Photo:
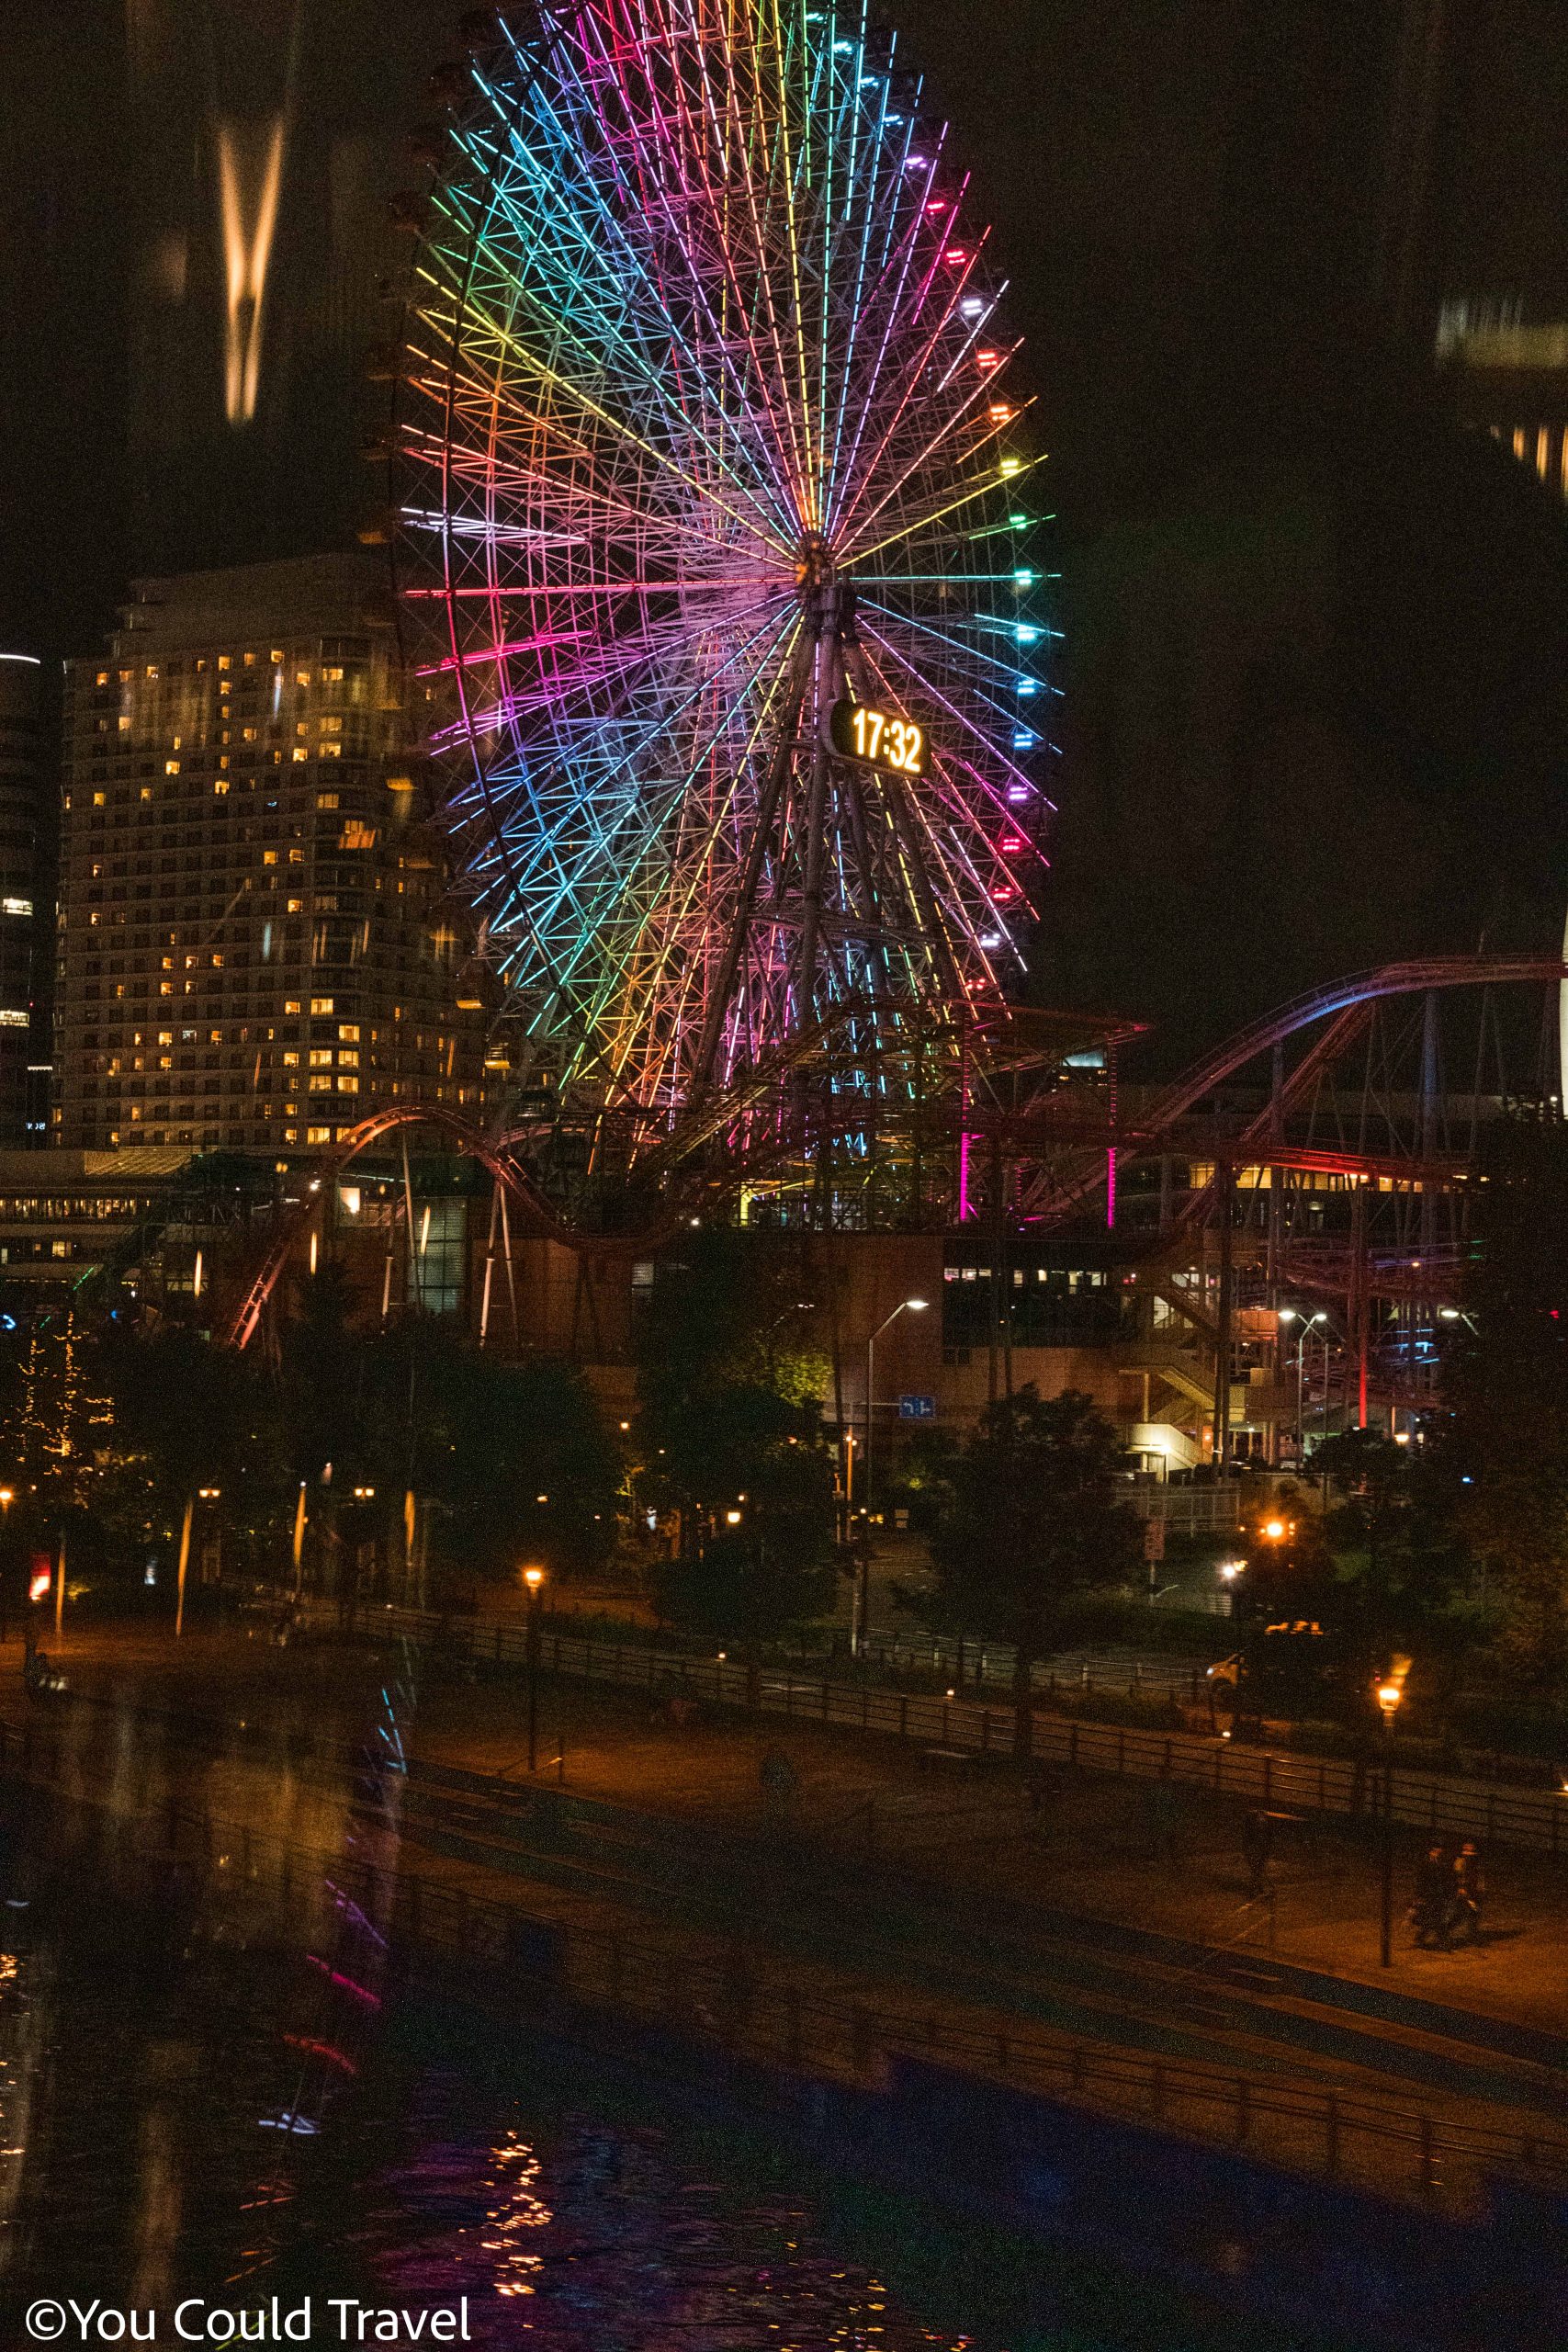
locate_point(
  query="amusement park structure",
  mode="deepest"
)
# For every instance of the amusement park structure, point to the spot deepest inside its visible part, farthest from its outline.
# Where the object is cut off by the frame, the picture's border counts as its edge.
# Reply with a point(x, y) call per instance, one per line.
point(723, 570)
point(723, 584)
point(717, 547)
point(1311, 1184)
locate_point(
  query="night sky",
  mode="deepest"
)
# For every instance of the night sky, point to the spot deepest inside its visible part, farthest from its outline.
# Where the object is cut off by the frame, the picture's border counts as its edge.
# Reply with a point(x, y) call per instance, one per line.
point(1317, 692)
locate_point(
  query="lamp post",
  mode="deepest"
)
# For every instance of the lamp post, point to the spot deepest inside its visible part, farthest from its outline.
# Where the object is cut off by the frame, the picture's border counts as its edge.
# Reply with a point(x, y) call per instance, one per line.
point(1389, 1696)
point(534, 1580)
point(7, 1497)
point(862, 1579)
point(1293, 1315)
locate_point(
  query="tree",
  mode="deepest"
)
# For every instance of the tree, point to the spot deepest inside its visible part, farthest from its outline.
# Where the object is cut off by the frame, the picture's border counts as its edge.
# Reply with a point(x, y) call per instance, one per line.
point(1032, 1524)
point(518, 1458)
point(732, 1440)
point(1396, 1564)
point(1507, 1385)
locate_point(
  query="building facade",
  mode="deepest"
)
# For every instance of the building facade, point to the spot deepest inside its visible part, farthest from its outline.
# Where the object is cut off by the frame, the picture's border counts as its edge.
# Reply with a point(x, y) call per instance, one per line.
point(21, 784)
point(256, 946)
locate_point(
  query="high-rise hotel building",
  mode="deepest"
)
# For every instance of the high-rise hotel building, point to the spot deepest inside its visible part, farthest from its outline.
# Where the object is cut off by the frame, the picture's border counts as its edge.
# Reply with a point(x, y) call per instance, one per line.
point(257, 949)
point(21, 773)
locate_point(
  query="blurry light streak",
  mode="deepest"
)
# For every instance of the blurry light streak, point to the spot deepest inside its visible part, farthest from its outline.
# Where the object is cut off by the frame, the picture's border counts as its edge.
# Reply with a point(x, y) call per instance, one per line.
point(250, 220)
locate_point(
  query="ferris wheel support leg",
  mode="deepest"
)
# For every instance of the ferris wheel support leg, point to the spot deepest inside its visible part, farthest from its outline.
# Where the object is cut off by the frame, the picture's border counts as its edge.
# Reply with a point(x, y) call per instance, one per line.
point(740, 928)
point(816, 831)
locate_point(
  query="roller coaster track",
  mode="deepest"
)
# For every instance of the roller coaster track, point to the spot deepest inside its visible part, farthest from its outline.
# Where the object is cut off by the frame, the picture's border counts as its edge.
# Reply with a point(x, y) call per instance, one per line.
point(1346, 1003)
point(1351, 1001)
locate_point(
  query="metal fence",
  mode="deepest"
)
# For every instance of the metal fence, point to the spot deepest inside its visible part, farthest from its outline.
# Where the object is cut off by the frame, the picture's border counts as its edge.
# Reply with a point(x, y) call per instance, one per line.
point(961, 1729)
point(742, 2000)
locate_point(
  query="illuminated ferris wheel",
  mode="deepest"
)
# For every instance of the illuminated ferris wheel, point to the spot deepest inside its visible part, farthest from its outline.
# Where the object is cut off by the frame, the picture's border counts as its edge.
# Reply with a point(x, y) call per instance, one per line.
point(717, 533)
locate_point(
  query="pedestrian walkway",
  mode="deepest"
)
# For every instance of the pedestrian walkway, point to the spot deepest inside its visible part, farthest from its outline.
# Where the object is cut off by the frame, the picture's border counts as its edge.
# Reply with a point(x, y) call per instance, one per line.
point(1444, 1804)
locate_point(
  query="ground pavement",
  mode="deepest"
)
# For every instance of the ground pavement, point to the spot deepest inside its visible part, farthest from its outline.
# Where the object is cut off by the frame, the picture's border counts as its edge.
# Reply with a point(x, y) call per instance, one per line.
point(1102, 1848)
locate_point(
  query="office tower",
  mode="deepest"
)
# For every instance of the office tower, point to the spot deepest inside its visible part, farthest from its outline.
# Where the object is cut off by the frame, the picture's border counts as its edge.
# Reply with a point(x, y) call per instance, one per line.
point(20, 784)
point(255, 947)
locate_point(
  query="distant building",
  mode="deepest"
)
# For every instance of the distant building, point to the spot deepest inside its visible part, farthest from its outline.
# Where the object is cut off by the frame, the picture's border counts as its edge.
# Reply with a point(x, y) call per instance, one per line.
point(255, 947)
point(21, 784)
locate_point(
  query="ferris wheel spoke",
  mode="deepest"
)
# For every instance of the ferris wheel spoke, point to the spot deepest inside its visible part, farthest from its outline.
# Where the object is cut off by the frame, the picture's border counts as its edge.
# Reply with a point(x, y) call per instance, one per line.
point(613, 246)
point(968, 722)
point(577, 396)
point(962, 413)
point(927, 519)
point(675, 139)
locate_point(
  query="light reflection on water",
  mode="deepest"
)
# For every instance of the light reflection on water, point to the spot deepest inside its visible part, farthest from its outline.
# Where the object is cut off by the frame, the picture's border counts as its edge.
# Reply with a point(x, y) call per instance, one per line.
point(596, 2236)
point(569, 2215)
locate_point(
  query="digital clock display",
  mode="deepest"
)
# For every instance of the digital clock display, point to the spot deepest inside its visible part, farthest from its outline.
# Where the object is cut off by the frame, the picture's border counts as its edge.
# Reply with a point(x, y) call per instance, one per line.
point(874, 738)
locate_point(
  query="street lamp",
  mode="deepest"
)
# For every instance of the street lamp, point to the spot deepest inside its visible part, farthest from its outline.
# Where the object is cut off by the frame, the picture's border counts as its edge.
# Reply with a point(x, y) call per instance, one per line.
point(534, 1583)
point(863, 1582)
point(1389, 1696)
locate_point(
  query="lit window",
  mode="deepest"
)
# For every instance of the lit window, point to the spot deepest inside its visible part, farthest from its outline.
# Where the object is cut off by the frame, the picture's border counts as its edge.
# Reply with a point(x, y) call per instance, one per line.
point(290, 1060)
point(349, 1060)
point(146, 793)
point(320, 1082)
point(301, 677)
point(300, 755)
point(295, 906)
point(225, 660)
point(347, 1085)
point(317, 1134)
point(24, 906)
point(328, 751)
point(321, 1058)
point(221, 787)
point(326, 799)
point(291, 1004)
point(349, 1032)
point(269, 857)
point(247, 734)
point(319, 1004)
point(99, 798)
point(125, 722)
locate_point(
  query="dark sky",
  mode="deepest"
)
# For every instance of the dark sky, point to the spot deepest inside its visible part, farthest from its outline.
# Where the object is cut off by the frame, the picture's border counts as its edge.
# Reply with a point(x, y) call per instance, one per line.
point(1313, 638)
